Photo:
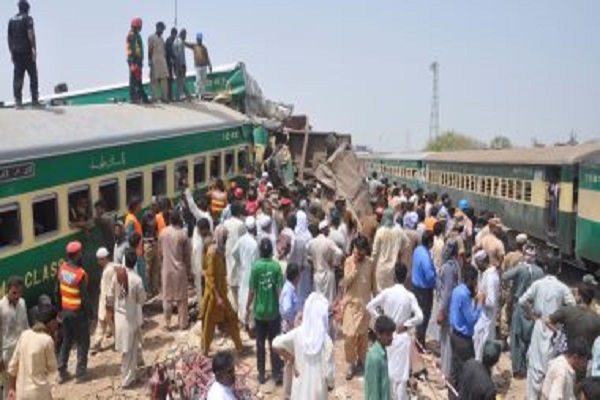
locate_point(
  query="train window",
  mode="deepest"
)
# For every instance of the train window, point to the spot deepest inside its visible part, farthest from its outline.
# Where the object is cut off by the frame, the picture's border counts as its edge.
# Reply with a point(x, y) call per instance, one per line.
point(10, 220)
point(482, 185)
point(199, 171)
point(159, 181)
point(511, 189)
point(109, 194)
point(45, 214)
point(496, 187)
point(229, 166)
point(519, 190)
point(215, 166)
point(474, 183)
point(527, 192)
point(181, 175)
point(79, 204)
point(488, 186)
point(243, 161)
point(134, 187)
point(503, 188)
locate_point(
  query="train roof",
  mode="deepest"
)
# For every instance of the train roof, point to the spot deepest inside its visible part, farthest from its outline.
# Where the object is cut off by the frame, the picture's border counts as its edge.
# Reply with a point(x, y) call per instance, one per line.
point(557, 155)
point(33, 133)
point(418, 156)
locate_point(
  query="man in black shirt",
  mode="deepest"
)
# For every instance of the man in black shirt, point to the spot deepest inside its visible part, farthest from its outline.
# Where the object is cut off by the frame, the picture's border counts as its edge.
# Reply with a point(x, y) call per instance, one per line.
point(21, 42)
point(476, 380)
point(171, 60)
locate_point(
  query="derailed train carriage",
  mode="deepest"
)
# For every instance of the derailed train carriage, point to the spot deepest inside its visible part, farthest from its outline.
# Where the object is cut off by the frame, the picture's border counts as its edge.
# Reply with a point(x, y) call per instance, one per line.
point(551, 193)
point(55, 159)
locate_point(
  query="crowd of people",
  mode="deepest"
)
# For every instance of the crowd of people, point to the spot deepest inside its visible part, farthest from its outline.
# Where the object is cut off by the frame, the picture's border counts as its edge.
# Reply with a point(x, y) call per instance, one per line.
point(166, 60)
point(295, 272)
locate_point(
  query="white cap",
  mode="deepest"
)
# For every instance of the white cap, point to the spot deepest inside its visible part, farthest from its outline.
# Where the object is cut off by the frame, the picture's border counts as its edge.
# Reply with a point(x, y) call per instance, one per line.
point(269, 185)
point(521, 238)
point(265, 175)
point(102, 253)
point(323, 224)
point(250, 222)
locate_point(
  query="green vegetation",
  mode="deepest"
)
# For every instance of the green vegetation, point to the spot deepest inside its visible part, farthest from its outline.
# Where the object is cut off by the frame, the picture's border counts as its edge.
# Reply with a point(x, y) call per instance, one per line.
point(452, 141)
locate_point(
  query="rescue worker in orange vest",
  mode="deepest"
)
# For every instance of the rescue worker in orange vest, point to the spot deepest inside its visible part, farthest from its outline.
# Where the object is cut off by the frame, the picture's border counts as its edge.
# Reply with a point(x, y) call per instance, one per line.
point(72, 300)
point(135, 60)
point(133, 225)
point(218, 199)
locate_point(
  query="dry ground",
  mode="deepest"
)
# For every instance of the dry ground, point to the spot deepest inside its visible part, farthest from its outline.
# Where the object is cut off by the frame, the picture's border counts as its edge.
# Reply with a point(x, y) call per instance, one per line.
point(104, 370)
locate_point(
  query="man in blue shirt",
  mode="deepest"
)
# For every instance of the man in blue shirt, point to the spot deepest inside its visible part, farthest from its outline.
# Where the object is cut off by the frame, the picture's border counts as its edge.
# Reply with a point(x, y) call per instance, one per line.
point(424, 281)
point(463, 315)
point(289, 307)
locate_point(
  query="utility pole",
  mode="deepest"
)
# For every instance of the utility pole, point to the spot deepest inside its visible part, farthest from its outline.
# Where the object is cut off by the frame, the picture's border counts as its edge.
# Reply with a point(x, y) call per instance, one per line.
point(434, 121)
point(175, 13)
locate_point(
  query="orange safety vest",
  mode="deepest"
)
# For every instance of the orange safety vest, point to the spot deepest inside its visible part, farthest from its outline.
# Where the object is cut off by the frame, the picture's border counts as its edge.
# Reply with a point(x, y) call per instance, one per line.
point(160, 223)
point(218, 202)
point(137, 227)
point(69, 278)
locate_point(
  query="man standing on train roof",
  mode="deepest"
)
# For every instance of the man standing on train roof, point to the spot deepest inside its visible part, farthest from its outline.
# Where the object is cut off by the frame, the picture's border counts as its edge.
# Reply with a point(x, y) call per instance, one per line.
point(170, 55)
point(73, 302)
point(135, 60)
point(23, 52)
point(201, 63)
point(157, 60)
point(13, 321)
point(180, 64)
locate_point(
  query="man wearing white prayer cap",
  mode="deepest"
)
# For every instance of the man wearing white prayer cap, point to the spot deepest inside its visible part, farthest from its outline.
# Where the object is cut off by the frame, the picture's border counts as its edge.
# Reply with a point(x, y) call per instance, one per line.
point(245, 252)
point(323, 254)
point(106, 326)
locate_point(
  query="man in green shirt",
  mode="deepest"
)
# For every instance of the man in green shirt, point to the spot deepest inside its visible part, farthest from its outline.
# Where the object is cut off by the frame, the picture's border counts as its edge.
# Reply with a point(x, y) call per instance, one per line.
point(266, 281)
point(377, 380)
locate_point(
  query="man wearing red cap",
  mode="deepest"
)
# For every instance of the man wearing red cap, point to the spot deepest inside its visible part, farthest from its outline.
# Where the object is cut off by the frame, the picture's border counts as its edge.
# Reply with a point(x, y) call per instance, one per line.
point(73, 303)
point(135, 60)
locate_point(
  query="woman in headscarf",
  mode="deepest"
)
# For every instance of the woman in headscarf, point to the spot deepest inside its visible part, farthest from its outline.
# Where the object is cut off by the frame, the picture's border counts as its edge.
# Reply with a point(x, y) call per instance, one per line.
point(310, 349)
point(298, 256)
point(387, 245)
point(447, 281)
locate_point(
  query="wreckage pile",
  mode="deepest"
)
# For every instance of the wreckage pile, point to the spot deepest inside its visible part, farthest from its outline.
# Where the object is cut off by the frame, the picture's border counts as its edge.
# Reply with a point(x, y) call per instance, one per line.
point(186, 375)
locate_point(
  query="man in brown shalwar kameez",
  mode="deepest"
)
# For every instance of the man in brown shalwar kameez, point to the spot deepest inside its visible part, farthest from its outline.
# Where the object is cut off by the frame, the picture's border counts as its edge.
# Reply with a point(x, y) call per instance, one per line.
point(175, 252)
point(359, 285)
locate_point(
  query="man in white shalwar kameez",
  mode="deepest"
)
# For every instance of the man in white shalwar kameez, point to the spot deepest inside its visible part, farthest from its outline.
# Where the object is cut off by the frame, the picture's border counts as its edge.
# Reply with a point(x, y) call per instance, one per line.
point(235, 230)
point(543, 298)
point(402, 307)
point(127, 294)
point(310, 350)
point(245, 253)
point(298, 256)
point(485, 327)
point(389, 241)
point(324, 254)
point(106, 325)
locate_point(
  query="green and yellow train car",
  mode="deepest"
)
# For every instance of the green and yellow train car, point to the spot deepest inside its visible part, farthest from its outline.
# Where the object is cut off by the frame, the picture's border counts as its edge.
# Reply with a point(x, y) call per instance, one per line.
point(56, 158)
point(402, 168)
point(588, 212)
point(230, 80)
point(550, 193)
point(534, 190)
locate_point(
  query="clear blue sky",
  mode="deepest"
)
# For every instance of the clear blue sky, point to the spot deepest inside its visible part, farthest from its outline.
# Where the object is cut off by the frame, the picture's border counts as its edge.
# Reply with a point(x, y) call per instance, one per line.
point(521, 68)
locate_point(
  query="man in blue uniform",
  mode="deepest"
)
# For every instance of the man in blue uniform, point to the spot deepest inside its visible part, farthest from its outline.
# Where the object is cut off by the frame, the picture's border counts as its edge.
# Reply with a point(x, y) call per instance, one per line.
point(21, 42)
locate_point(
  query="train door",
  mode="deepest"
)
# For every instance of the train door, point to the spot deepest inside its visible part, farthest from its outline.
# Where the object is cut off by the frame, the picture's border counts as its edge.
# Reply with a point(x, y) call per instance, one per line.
point(552, 180)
